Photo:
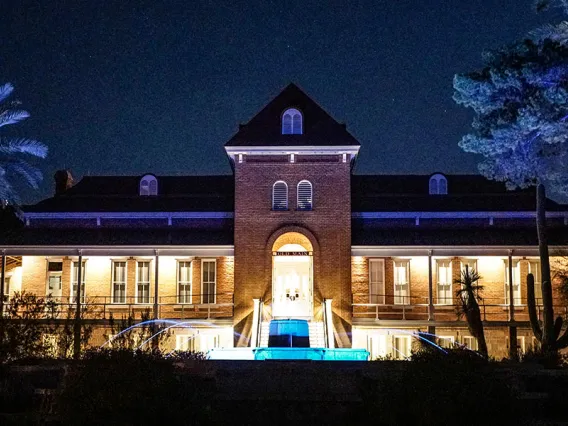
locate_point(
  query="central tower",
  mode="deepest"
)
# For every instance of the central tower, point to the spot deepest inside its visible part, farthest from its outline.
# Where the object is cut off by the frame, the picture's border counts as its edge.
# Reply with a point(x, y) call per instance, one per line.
point(292, 165)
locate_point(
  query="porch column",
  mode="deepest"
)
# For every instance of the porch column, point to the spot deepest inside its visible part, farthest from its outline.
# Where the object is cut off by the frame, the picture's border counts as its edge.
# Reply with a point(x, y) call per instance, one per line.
point(2, 279)
point(329, 323)
point(255, 323)
point(512, 328)
point(430, 288)
point(156, 272)
point(77, 323)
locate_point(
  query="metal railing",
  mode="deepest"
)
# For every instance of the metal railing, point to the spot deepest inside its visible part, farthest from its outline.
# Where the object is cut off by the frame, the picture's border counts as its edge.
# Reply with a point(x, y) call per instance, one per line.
point(169, 306)
point(381, 307)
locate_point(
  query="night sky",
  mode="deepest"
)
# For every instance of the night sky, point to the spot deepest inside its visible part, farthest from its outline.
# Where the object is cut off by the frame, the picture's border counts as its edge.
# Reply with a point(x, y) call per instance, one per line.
point(134, 86)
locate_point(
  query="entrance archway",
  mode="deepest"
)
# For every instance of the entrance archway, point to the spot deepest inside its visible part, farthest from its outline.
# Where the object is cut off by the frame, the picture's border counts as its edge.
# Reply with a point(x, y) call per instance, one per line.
point(292, 276)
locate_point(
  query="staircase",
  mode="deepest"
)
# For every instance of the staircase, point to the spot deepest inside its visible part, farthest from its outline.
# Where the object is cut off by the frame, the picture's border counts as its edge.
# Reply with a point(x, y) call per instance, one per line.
point(317, 335)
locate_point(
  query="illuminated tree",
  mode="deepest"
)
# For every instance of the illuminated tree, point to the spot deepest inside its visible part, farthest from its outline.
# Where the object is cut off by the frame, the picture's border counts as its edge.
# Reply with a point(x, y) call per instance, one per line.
point(13, 151)
point(520, 128)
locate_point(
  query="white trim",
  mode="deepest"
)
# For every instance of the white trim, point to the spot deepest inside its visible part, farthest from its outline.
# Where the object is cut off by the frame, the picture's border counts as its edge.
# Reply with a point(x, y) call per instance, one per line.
point(379, 297)
point(72, 279)
point(469, 251)
point(178, 262)
point(113, 261)
point(201, 279)
point(400, 298)
point(273, 192)
point(129, 215)
point(106, 250)
point(456, 215)
point(149, 262)
point(233, 151)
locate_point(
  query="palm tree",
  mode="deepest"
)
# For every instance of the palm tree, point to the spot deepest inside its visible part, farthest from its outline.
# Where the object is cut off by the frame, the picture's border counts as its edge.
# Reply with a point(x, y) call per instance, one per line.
point(14, 151)
point(468, 294)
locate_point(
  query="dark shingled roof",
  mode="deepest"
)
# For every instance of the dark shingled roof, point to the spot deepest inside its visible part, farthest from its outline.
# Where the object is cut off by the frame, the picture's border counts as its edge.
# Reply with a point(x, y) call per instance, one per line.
point(319, 128)
point(121, 194)
point(407, 193)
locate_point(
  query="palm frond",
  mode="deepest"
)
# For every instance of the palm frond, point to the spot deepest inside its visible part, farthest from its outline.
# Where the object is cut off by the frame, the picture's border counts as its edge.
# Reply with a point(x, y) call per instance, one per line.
point(31, 174)
point(7, 193)
point(5, 91)
point(23, 146)
point(13, 116)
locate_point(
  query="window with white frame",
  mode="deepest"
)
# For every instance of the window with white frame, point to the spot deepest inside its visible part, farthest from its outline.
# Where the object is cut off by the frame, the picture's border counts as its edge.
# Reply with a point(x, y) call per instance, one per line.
point(470, 342)
point(446, 341)
point(534, 268)
point(438, 184)
point(401, 347)
point(377, 281)
point(516, 282)
point(280, 196)
point(184, 281)
point(7, 279)
point(143, 282)
point(469, 265)
point(401, 281)
point(208, 281)
point(186, 342)
point(148, 185)
point(521, 349)
point(305, 193)
point(54, 272)
point(75, 281)
point(118, 282)
point(444, 281)
point(292, 122)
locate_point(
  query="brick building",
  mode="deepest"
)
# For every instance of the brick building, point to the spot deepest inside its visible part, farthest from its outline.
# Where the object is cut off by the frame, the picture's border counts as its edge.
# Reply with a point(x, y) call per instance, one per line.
point(293, 233)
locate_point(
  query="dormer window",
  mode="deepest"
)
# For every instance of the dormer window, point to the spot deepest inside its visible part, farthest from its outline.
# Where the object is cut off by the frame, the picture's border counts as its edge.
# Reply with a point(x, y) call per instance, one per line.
point(292, 122)
point(148, 185)
point(438, 184)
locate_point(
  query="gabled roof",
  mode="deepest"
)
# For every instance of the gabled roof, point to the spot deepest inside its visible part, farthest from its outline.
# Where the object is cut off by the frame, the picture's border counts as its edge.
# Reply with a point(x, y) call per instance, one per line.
point(121, 194)
point(319, 128)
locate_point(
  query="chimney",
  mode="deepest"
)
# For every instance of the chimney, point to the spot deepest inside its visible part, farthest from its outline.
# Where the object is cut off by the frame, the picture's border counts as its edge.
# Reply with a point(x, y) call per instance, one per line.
point(63, 181)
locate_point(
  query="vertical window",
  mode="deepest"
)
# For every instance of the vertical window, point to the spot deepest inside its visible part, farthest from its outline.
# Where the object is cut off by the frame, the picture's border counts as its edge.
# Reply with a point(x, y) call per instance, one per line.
point(377, 281)
point(305, 195)
point(438, 185)
point(54, 271)
point(208, 281)
point(470, 342)
point(446, 341)
point(119, 282)
point(148, 185)
point(444, 281)
point(143, 282)
point(280, 196)
point(75, 281)
point(7, 287)
point(534, 268)
point(401, 282)
point(516, 282)
point(292, 122)
point(401, 347)
point(184, 282)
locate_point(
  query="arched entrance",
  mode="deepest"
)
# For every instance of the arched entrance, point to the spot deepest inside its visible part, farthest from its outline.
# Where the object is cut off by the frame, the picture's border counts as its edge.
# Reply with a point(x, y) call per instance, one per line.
point(292, 276)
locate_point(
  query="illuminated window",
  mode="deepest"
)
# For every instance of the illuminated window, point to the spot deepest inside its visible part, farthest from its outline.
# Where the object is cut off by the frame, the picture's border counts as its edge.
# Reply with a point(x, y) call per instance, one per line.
point(119, 282)
point(401, 282)
point(208, 281)
point(148, 185)
point(54, 271)
point(377, 281)
point(534, 268)
point(438, 185)
point(446, 341)
point(444, 281)
point(401, 347)
point(470, 342)
point(75, 281)
point(292, 122)
point(280, 196)
point(516, 282)
point(184, 282)
point(305, 195)
point(143, 282)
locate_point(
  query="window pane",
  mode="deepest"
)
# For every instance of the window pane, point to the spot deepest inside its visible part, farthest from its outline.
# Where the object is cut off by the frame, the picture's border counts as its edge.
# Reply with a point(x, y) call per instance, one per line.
point(376, 281)
point(287, 124)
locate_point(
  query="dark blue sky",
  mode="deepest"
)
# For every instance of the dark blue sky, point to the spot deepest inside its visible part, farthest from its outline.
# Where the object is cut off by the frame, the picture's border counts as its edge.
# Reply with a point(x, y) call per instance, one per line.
point(127, 87)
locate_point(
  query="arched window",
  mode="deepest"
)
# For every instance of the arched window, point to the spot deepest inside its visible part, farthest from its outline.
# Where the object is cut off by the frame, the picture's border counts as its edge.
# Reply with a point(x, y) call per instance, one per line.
point(280, 196)
point(305, 200)
point(438, 184)
point(292, 122)
point(148, 185)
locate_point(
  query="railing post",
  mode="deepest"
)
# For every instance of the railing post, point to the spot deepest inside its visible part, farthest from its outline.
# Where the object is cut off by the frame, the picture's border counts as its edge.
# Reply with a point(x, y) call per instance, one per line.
point(512, 328)
point(2, 282)
point(77, 324)
point(255, 323)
